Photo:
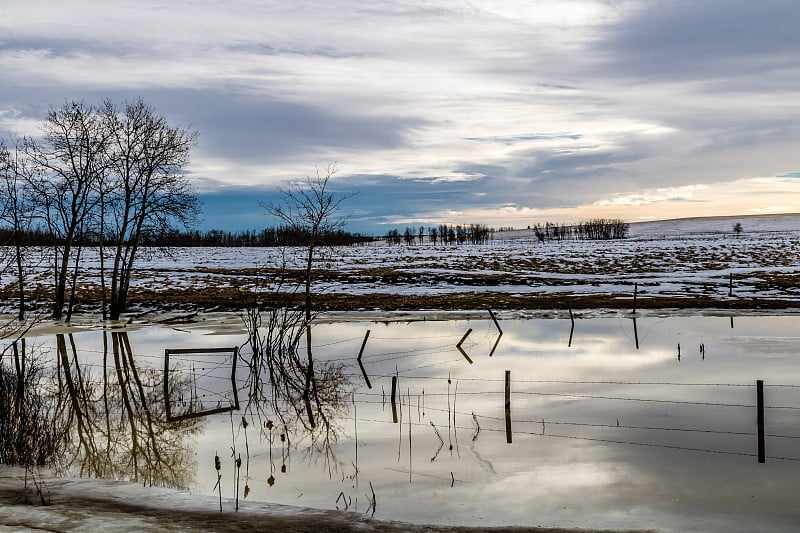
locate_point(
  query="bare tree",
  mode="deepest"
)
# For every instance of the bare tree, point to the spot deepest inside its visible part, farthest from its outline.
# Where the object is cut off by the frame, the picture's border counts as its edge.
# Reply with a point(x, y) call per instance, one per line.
point(145, 191)
point(408, 236)
point(71, 160)
point(15, 210)
point(313, 211)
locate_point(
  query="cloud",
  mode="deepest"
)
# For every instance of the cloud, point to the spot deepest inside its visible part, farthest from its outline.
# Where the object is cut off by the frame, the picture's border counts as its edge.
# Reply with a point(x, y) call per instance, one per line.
point(706, 39)
point(650, 197)
point(248, 127)
point(435, 107)
point(524, 137)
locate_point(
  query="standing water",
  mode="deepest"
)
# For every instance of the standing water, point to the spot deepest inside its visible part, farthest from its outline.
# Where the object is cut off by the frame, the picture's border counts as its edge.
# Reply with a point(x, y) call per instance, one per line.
point(610, 424)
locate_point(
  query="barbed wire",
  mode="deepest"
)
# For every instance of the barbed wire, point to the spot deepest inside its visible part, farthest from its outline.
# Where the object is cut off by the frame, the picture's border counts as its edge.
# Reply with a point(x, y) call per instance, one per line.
point(604, 440)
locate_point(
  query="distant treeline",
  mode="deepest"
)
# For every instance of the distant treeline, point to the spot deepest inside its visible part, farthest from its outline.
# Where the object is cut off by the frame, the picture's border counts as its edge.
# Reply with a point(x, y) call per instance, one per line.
point(594, 229)
point(276, 236)
point(442, 234)
point(597, 229)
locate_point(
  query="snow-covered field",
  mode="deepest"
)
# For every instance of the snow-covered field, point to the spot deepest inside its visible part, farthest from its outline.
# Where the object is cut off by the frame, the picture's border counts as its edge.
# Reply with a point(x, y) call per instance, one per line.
point(675, 260)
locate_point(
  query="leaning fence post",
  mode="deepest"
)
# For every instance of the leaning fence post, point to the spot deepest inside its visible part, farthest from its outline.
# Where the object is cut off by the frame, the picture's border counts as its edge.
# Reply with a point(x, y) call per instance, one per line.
point(635, 294)
point(571, 328)
point(499, 332)
point(360, 353)
point(496, 323)
point(460, 349)
point(760, 420)
point(508, 406)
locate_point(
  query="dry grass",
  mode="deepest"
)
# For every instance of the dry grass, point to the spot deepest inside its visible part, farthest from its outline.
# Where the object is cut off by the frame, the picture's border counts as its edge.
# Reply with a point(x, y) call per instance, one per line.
point(233, 297)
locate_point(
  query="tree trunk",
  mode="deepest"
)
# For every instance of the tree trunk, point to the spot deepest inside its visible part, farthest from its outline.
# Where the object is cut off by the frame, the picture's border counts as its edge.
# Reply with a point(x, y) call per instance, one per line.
point(103, 295)
point(115, 278)
point(20, 381)
point(120, 304)
point(73, 286)
point(59, 297)
point(309, 261)
point(310, 369)
point(20, 278)
point(123, 284)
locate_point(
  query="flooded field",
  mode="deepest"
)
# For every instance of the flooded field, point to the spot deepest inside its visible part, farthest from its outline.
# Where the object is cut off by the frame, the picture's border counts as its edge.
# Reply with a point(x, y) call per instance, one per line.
point(598, 422)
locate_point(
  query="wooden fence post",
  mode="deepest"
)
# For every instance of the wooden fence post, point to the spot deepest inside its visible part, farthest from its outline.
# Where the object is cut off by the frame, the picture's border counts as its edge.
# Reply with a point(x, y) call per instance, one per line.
point(499, 332)
point(508, 406)
point(760, 420)
point(360, 353)
point(571, 328)
point(460, 349)
point(496, 323)
point(394, 395)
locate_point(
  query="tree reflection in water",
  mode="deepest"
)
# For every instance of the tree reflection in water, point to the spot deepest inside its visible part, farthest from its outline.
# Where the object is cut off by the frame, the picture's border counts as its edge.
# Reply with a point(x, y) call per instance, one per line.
point(115, 422)
point(308, 399)
point(106, 417)
point(31, 426)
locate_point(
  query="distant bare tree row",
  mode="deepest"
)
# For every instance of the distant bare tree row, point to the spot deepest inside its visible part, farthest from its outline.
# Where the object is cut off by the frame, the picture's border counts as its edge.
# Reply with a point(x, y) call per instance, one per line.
point(106, 171)
point(600, 229)
point(594, 229)
point(552, 232)
point(173, 237)
point(442, 234)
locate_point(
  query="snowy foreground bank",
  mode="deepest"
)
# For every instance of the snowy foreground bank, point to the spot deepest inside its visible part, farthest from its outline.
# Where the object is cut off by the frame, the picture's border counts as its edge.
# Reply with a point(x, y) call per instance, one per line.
point(97, 505)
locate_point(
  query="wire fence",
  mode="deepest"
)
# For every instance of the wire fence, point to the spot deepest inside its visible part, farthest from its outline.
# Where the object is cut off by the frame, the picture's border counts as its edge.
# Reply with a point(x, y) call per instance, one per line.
point(210, 381)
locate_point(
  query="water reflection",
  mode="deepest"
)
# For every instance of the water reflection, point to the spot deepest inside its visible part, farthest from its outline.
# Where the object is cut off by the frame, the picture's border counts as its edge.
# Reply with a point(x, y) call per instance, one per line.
point(32, 428)
point(117, 422)
point(305, 398)
point(619, 436)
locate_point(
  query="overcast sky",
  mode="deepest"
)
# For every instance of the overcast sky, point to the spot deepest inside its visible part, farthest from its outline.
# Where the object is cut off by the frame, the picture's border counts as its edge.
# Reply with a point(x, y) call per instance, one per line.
point(506, 113)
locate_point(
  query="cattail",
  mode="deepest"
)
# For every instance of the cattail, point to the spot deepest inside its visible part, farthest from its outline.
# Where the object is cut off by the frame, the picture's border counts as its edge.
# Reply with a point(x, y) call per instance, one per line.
point(238, 468)
point(218, 486)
